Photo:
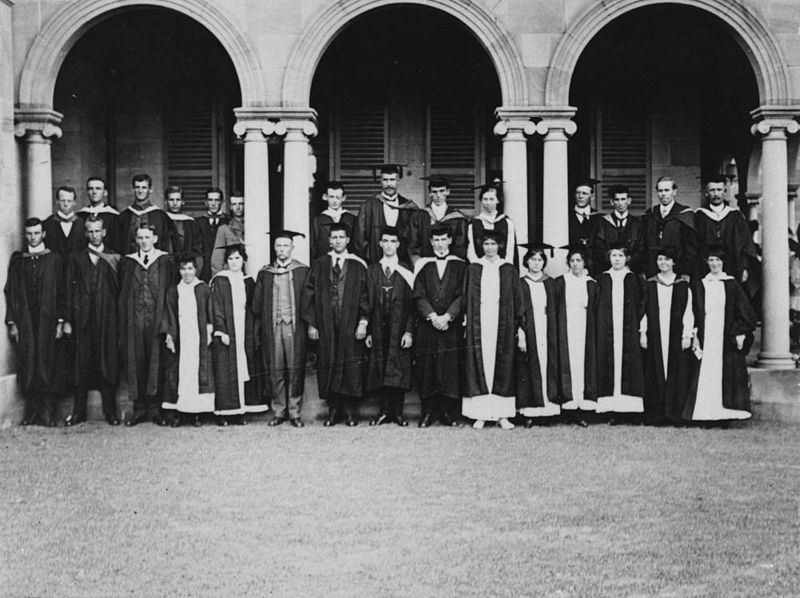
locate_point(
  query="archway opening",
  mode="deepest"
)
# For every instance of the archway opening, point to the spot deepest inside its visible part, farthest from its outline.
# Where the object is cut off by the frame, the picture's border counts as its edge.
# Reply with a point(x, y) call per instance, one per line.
point(406, 85)
point(663, 90)
point(148, 90)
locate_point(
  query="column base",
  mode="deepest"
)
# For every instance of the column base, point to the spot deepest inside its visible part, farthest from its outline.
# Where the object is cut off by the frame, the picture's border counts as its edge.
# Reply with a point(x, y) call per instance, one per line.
point(776, 361)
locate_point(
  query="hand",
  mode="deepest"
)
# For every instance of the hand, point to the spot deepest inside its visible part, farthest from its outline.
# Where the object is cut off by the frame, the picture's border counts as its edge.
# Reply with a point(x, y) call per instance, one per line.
point(739, 341)
point(170, 343)
point(226, 339)
point(522, 341)
point(361, 331)
point(368, 341)
point(407, 341)
point(685, 343)
point(439, 322)
point(745, 275)
point(313, 333)
point(67, 329)
point(210, 337)
point(59, 330)
point(13, 332)
point(643, 341)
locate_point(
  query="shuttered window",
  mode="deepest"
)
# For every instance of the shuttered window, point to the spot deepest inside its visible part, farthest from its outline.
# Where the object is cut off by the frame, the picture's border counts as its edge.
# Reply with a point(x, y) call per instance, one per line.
point(361, 149)
point(623, 155)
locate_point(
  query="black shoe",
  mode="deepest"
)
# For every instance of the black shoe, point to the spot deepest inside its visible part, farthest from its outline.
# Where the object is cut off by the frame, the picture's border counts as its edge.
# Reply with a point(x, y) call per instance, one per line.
point(350, 422)
point(296, 422)
point(112, 420)
point(528, 423)
point(380, 420)
point(176, 421)
point(400, 421)
point(239, 420)
point(613, 421)
point(446, 420)
point(135, 420)
point(329, 423)
point(222, 421)
point(581, 423)
point(160, 420)
point(197, 422)
point(74, 419)
point(277, 421)
point(425, 421)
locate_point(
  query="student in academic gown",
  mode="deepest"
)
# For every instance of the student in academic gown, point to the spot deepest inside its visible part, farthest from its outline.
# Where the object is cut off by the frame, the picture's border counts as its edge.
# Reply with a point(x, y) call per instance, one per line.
point(233, 345)
point(64, 230)
point(437, 213)
point(618, 226)
point(187, 327)
point(208, 224)
point(620, 377)
point(537, 358)
point(491, 218)
point(493, 310)
point(576, 303)
point(438, 288)
point(666, 336)
point(582, 217)
point(336, 309)
point(391, 330)
point(725, 322)
point(335, 213)
point(185, 230)
point(98, 206)
point(143, 213)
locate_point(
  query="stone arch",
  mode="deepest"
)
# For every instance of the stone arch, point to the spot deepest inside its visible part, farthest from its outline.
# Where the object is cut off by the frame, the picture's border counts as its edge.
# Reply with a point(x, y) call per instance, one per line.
point(60, 33)
point(320, 33)
point(749, 30)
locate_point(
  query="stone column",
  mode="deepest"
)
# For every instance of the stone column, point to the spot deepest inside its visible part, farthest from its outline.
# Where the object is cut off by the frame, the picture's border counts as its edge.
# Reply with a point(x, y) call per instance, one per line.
point(556, 129)
point(298, 178)
point(773, 125)
point(36, 128)
point(255, 132)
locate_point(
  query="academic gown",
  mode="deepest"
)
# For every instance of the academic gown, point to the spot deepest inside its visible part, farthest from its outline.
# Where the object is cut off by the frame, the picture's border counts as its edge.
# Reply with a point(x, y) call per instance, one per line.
point(265, 327)
point(529, 381)
point(186, 236)
point(509, 320)
point(437, 351)
point(738, 318)
point(580, 233)
point(389, 364)
point(504, 227)
point(321, 230)
point(606, 233)
point(424, 221)
point(665, 395)
point(130, 219)
point(201, 353)
point(131, 272)
point(35, 301)
point(678, 231)
point(109, 216)
point(340, 357)
point(92, 293)
point(56, 241)
point(727, 228)
point(371, 220)
point(208, 236)
point(227, 234)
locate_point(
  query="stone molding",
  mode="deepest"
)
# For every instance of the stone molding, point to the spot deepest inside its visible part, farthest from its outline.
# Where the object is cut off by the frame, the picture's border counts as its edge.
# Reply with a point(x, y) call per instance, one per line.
point(43, 122)
point(276, 121)
point(775, 119)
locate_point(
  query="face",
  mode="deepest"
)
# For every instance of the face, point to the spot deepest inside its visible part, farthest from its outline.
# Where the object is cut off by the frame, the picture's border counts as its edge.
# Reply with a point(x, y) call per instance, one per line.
point(715, 193)
point(65, 202)
point(576, 263)
point(389, 245)
point(174, 202)
point(34, 235)
point(141, 191)
point(441, 243)
point(214, 202)
point(339, 241)
point(536, 263)
point(145, 239)
point(188, 272)
point(283, 248)
point(389, 183)
point(335, 198)
point(439, 195)
point(617, 259)
point(583, 196)
point(714, 264)
point(665, 264)
point(621, 202)
point(489, 201)
point(237, 206)
point(666, 192)
point(95, 233)
point(96, 192)
point(235, 262)
point(490, 247)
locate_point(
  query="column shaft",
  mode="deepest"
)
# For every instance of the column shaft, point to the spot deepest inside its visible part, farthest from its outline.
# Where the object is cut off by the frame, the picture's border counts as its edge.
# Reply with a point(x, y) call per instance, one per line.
point(297, 180)
point(256, 198)
point(555, 214)
point(39, 175)
point(515, 188)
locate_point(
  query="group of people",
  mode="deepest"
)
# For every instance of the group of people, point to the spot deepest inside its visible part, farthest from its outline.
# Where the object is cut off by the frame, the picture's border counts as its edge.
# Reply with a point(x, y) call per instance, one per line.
point(394, 294)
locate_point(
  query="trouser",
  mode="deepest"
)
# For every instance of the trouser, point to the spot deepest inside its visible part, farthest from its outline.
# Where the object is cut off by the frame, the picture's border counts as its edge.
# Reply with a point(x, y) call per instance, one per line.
point(284, 373)
point(391, 401)
point(339, 404)
point(107, 393)
point(144, 330)
point(442, 404)
point(40, 407)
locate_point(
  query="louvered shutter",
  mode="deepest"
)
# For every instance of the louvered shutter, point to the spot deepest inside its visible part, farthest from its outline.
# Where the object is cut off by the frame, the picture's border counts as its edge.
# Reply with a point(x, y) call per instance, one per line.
point(360, 149)
point(623, 155)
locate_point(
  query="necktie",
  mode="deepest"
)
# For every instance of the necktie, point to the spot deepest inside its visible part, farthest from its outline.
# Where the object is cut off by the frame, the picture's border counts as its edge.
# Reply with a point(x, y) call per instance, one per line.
point(337, 268)
point(146, 259)
point(387, 271)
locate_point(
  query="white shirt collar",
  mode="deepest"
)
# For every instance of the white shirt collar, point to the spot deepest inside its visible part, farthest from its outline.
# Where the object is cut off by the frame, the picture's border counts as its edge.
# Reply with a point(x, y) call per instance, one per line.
point(587, 211)
point(40, 248)
point(666, 208)
point(390, 262)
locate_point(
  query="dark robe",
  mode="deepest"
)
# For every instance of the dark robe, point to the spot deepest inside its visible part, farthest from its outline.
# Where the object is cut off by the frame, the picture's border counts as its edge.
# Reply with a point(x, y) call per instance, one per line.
point(607, 232)
point(186, 237)
point(437, 351)
point(370, 222)
point(424, 221)
point(208, 236)
point(35, 301)
point(632, 311)
point(93, 290)
point(109, 216)
point(528, 368)
point(476, 226)
point(589, 357)
point(57, 242)
point(171, 325)
point(510, 319)
point(664, 397)
point(227, 234)
point(733, 233)
point(678, 231)
point(131, 218)
point(226, 373)
point(739, 319)
point(391, 317)
point(160, 275)
point(321, 231)
point(265, 327)
point(580, 233)
point(340, 357)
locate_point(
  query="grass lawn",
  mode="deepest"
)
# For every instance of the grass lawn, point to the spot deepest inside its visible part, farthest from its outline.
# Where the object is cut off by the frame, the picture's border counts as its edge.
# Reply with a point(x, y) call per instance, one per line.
point(561, 511)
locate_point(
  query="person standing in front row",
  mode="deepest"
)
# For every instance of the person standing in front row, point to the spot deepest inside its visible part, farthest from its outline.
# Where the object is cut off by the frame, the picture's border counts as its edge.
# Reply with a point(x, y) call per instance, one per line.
point(438, 287)
point(391, 330)
point(278, 310)
point(336, 309)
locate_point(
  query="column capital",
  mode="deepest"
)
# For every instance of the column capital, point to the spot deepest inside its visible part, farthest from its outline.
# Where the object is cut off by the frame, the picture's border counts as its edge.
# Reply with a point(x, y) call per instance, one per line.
point(779, 119)
point(556, 125)
point(292, 128)
point(42, 121)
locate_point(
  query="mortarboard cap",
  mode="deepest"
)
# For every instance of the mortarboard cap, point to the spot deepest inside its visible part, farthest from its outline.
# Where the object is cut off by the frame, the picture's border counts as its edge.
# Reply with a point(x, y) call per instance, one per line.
point(285, 234)
point(437, 180)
